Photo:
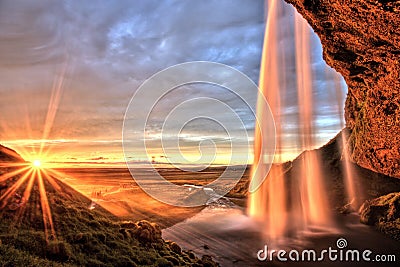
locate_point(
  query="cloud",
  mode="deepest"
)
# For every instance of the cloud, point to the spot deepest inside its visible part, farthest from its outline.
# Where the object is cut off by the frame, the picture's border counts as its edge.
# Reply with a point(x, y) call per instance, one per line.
point(111, 47)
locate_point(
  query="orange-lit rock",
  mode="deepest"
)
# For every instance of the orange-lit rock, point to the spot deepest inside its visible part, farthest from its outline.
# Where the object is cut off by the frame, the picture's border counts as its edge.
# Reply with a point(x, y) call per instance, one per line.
point(361, 40)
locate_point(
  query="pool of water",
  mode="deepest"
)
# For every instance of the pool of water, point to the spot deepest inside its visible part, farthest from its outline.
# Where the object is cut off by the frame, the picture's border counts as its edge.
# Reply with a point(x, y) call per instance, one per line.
point(233, 239)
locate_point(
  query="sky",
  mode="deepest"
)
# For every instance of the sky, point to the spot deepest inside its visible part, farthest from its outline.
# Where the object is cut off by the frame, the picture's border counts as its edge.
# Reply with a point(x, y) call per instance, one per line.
point(68, 70)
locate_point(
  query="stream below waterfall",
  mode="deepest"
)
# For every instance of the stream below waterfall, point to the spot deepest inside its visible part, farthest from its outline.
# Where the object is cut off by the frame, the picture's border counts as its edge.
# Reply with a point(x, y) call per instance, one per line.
point(233, 239)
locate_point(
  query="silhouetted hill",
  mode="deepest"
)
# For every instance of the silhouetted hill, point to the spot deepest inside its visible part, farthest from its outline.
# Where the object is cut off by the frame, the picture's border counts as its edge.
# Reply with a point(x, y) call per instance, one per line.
point(369, 184)
point(9, 155)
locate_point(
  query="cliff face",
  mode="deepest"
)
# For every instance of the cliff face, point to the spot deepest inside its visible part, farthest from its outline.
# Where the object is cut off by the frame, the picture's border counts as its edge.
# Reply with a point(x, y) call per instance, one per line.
point(361, 40)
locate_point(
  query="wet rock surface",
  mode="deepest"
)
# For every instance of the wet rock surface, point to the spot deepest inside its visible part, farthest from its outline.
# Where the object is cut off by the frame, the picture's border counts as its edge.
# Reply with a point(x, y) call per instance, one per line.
point(384, 208)
point(361, 40)
point(383, 212)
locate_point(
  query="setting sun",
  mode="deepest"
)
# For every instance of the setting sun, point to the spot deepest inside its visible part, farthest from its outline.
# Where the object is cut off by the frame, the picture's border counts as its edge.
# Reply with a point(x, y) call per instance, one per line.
point(37, 163)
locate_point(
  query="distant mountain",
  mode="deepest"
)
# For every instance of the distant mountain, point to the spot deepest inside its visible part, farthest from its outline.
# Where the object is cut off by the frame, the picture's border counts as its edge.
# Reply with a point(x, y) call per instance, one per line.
point(9, 155)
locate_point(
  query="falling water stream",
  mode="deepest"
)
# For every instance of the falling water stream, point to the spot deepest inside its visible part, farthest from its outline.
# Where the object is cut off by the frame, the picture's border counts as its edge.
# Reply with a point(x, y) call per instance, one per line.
point(354, 192)
point(293, 209)
point(315, 208)
point(280, 206)
point(268, 203)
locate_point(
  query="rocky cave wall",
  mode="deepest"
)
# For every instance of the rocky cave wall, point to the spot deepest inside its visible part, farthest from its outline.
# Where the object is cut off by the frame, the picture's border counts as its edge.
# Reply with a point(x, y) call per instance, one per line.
point(361, 40)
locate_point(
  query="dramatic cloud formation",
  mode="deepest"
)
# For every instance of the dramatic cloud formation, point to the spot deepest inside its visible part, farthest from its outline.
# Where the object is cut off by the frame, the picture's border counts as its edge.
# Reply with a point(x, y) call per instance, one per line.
point(95, 54)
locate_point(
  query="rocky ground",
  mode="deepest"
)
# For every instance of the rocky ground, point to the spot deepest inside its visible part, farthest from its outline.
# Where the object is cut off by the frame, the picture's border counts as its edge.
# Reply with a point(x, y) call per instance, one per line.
point(384, 213)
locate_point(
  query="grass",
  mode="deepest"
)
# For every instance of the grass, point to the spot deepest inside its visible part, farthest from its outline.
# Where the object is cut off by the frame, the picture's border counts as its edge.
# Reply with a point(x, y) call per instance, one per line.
point(84, 237)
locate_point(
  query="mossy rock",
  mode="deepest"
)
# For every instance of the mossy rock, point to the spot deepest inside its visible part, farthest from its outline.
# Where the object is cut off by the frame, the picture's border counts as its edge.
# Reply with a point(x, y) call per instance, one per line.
point(382, 209)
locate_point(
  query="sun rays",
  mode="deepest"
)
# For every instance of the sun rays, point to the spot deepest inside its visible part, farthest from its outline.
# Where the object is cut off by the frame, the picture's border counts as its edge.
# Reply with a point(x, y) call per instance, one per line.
point(18, 185)
point(27, 184)
point(33, 137)
point(46, 211)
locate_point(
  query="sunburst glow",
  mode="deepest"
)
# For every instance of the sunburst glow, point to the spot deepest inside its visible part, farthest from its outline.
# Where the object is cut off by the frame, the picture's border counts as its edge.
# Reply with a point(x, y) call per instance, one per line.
point(25, 182)
point(20, 183)
point(37, 163)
